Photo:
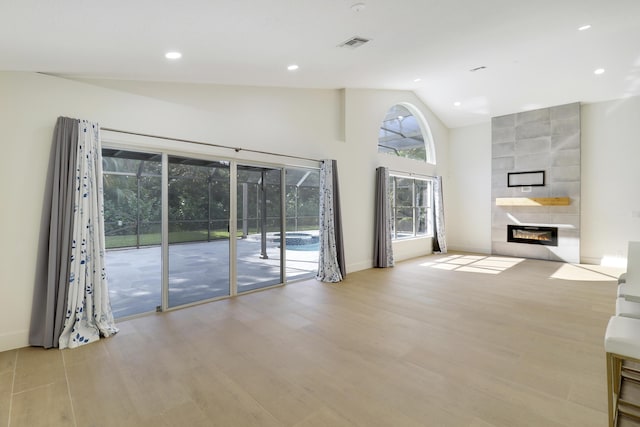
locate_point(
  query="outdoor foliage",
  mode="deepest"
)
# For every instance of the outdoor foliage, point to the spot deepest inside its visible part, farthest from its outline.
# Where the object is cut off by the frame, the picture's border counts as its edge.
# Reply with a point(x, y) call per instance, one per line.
point(198, 200)
point(410, 206)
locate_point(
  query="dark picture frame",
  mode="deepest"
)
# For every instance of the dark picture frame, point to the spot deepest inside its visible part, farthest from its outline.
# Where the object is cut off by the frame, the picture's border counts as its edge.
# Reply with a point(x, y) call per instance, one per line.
point(526, 179)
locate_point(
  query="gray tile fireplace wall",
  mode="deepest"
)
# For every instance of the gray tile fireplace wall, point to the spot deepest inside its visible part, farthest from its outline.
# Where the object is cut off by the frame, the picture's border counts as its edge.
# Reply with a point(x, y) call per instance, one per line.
point(541, 140)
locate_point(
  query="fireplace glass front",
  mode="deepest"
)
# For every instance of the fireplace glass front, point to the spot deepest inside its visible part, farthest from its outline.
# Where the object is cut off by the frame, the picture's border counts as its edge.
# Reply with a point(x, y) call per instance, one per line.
point(534, 235)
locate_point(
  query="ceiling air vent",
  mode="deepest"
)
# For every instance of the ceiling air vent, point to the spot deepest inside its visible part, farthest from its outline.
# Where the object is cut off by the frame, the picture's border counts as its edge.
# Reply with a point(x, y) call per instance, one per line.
point(354, 42)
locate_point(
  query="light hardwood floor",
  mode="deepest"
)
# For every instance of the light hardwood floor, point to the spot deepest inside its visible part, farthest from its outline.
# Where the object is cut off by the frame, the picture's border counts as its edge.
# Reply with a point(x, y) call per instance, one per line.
point(447, 340)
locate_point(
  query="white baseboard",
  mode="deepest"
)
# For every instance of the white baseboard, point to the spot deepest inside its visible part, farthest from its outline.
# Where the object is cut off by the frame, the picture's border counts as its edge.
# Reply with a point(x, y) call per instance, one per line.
point(476, 250)
point(607, 261)
point(361, 265)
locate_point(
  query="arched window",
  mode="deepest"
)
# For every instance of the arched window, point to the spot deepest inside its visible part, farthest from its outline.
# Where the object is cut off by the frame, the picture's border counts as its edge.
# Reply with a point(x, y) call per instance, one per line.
point(405, 133)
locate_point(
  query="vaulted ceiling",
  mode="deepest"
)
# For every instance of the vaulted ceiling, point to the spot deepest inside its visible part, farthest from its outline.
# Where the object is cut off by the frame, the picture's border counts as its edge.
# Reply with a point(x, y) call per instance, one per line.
point(532, 51)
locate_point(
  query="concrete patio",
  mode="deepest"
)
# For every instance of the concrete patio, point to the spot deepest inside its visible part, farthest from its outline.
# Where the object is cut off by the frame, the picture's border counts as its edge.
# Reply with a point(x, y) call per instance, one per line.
point(197, 271)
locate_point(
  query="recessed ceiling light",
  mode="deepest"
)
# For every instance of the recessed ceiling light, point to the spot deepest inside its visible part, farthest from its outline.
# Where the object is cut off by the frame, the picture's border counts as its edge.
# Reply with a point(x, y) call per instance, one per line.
point(292, 67)
point(417, 80)
point(457, 104)
point(599, 71)
point(584, 27)
point(173, 55)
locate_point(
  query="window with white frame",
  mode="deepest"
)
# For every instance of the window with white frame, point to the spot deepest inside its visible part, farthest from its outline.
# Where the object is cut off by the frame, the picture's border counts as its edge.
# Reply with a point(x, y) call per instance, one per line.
point(411, 207)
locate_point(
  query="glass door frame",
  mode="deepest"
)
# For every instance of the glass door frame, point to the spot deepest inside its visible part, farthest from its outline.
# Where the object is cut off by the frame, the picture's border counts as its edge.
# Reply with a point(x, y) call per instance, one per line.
point(165, 232)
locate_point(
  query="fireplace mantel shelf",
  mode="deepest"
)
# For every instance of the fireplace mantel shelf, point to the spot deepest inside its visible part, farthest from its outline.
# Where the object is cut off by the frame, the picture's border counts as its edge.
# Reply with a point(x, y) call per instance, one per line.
point(533, 201)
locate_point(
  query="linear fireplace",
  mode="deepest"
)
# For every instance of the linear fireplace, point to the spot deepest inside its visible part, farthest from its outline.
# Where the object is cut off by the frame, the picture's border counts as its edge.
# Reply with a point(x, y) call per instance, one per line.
point(532, 234)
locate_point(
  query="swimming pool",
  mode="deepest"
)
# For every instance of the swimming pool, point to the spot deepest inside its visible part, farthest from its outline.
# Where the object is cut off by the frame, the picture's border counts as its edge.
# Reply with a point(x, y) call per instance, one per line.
point(299, 241)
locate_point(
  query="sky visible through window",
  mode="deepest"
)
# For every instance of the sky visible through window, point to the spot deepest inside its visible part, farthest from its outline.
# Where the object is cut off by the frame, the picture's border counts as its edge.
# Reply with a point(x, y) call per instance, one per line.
point(400, 135)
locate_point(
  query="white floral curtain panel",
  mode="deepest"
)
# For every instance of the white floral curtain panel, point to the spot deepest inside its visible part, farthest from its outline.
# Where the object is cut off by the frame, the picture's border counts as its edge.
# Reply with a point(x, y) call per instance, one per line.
point(89, 312)
point(382, 247)
point(331, 265)
point(72, 304)
point(439, 236)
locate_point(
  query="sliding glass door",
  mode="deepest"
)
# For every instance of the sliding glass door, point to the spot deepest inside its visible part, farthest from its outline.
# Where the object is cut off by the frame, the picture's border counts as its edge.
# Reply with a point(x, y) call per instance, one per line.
point(132, 183)
point(259, 225)
point(181, 230)
point(302, 218)
point(198, 223)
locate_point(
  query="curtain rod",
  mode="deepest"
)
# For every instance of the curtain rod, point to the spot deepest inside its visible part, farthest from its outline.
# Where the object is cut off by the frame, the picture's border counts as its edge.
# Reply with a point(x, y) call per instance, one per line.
point(208, 144)
point(411, 174)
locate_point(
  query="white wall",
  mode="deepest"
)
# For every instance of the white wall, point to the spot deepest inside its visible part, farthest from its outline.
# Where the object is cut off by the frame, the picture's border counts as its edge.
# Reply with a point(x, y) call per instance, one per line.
point(309, 123)
point(610, 179)
point(468, 193)
point(280, 118)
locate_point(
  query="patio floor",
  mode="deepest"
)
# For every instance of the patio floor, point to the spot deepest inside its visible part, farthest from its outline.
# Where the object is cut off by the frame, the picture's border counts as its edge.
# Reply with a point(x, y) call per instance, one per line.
point(197, 271)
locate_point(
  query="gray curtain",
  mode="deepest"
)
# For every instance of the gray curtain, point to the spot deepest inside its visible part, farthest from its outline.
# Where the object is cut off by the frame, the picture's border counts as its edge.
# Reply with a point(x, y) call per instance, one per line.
point(439, 237)
point(50, 294)
point(331, 265)
point(382, 247)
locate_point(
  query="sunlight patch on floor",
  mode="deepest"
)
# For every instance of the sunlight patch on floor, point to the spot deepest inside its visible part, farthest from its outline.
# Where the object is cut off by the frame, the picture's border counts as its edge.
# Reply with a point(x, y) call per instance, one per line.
point(581, 273)
point(479, 270)
point(474, 263)
point(443, 266)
